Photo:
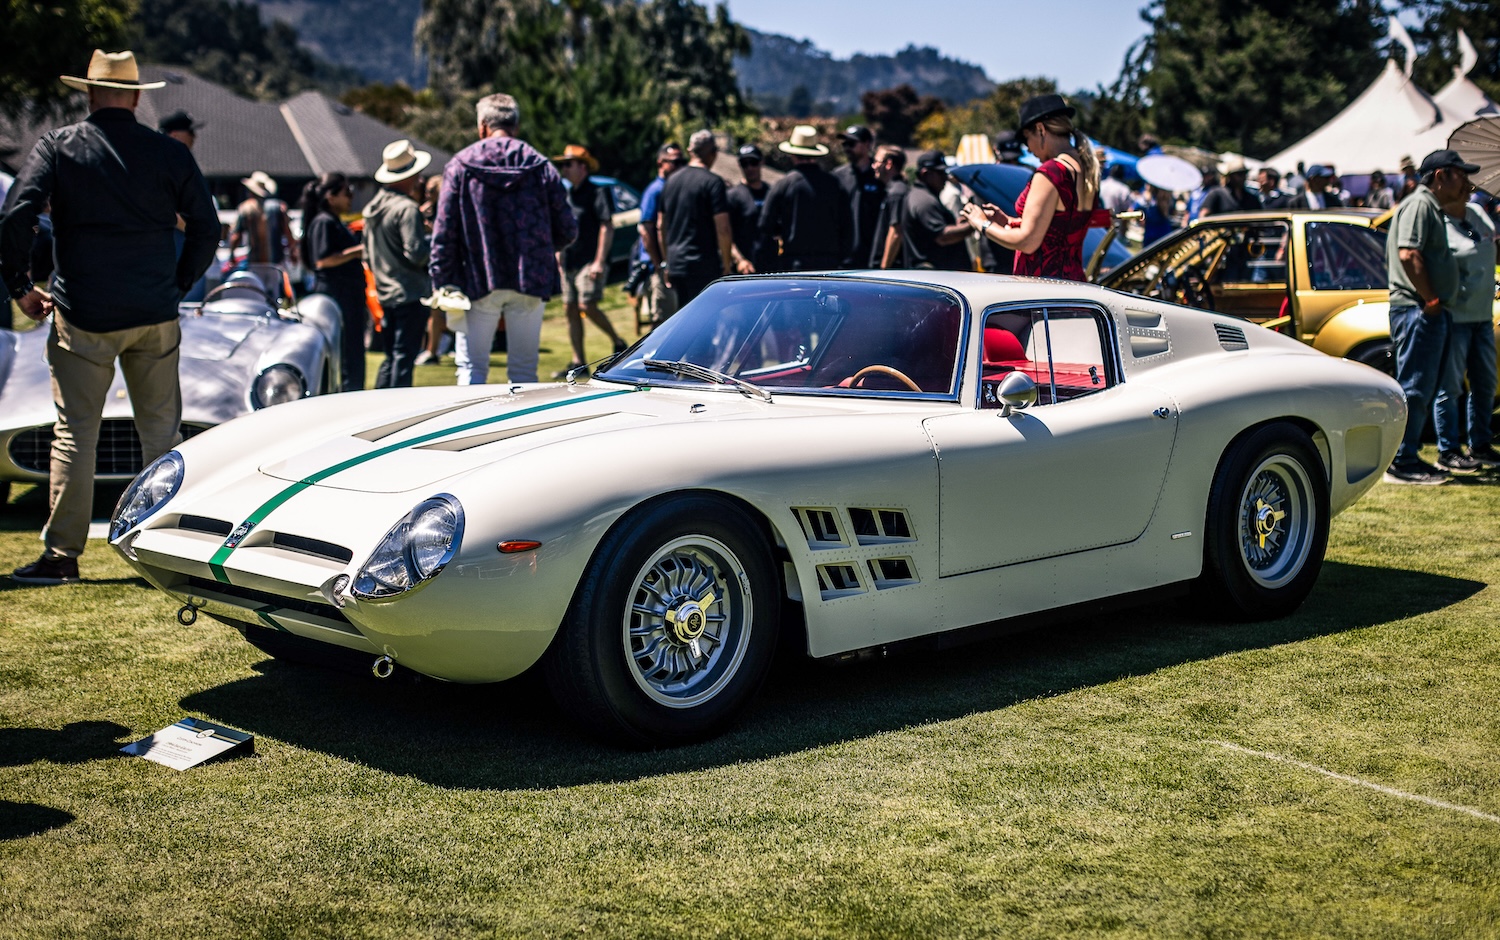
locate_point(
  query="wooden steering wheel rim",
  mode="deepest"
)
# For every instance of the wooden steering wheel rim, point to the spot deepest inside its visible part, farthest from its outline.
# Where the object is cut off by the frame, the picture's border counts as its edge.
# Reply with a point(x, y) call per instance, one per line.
point(884, 370)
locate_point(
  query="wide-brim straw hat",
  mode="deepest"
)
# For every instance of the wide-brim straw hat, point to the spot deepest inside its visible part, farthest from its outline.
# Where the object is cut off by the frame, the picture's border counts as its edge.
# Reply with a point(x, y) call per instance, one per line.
point(803, 143)
point(260, 183)
point(111, 70)
point(577, 152)
point(400, 160)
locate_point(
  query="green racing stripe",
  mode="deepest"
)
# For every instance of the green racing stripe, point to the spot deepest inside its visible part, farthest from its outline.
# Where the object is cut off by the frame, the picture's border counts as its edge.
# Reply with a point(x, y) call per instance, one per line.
point(216, 563)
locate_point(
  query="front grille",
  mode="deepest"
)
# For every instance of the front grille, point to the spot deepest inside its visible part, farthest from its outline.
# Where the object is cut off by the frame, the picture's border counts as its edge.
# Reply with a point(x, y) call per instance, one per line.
point(267, 600)
point(119, 451)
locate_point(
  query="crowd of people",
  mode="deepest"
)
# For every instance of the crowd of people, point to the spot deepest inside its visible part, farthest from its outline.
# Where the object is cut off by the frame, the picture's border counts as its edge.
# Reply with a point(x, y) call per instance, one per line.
point(505, 229)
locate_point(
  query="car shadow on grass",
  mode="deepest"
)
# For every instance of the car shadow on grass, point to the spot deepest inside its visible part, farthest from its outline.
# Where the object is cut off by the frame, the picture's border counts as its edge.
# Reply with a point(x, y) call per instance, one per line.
point(511, 736)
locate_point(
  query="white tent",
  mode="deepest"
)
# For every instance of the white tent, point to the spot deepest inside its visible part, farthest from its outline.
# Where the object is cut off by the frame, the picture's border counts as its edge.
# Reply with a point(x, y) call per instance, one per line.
point(1373, 133)
point(1460, 101)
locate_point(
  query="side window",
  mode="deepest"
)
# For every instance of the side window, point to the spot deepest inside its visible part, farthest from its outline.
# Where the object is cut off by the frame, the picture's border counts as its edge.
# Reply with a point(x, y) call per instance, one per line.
point(1341, 256)
point(1062, 349)
point(625, 200)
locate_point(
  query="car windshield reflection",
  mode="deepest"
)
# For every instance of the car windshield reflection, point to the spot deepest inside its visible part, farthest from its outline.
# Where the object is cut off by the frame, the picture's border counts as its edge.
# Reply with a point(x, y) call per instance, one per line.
point(809, 335)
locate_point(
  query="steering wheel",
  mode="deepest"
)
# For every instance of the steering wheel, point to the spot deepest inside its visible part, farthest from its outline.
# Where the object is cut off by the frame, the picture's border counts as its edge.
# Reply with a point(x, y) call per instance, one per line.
point(883, 370)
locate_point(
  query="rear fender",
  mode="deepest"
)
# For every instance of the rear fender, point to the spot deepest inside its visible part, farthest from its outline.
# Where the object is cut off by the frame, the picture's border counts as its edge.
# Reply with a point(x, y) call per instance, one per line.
point(1354, 326)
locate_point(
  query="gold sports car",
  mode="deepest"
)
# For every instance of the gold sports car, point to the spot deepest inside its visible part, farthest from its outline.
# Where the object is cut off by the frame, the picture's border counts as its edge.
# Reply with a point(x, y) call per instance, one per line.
point(1317, 275)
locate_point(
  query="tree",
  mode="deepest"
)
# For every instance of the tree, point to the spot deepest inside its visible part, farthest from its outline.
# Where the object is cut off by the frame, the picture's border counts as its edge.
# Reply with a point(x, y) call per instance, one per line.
point(1437, 41)
point(894, 113)
point(799, 103)
point(1001, 108)
point(1254, 78)
point(44, 38)
point(1118, 115)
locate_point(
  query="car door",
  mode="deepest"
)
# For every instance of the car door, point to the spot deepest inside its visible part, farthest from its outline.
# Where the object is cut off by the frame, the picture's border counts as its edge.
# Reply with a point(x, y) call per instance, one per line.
point(1082, 469)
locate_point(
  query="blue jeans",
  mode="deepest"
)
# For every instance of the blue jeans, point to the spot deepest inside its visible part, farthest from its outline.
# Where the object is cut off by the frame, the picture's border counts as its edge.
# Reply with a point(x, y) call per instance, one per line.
point(1421, 342)
point(1471, 352)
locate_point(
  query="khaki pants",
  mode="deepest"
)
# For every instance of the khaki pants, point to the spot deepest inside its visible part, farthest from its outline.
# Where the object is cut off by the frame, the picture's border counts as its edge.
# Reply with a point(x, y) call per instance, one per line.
point(83, 368)
point(658, 301)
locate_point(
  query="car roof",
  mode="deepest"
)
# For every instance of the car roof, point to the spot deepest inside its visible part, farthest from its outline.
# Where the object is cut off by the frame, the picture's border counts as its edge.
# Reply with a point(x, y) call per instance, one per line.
point(982, 290)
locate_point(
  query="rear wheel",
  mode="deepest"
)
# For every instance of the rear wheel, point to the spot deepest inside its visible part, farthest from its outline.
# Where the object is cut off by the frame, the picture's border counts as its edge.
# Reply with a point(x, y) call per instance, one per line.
point(1267, 525)
point(1380, 354)
point(673, 625)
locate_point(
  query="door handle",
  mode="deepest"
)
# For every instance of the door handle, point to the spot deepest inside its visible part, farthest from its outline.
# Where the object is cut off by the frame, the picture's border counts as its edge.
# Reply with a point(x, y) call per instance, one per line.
point(1163, 413)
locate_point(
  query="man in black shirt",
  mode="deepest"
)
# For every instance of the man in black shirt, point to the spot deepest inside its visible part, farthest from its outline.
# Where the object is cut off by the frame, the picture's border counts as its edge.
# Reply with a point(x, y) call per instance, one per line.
point(863, 190)
point(806, 210)
point(694, 225)
point(585, 263)
point(745, 203)
point(117, 188)
point(933, 238)
point(890, 163)
point(1232, 196)
point(1271, 196)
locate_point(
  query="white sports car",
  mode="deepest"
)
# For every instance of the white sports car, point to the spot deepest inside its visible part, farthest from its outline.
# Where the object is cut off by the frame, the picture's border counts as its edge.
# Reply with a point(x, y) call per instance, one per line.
point(901, 456)
point(250, 344)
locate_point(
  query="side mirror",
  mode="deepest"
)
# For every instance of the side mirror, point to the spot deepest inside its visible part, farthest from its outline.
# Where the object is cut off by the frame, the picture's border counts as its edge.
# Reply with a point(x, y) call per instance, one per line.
point(1016, 391)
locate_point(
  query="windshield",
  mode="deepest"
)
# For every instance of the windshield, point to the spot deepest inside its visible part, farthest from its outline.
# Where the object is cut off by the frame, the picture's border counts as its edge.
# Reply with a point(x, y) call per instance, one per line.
point(825, 335)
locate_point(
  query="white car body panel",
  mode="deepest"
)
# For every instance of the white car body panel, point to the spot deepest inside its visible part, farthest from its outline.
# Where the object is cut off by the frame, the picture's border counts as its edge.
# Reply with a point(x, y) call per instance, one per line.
point(1056, 505)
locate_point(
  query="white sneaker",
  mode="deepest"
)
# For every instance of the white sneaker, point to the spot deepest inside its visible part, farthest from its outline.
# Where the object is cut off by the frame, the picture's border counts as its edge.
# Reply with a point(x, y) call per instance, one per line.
point(423, 358)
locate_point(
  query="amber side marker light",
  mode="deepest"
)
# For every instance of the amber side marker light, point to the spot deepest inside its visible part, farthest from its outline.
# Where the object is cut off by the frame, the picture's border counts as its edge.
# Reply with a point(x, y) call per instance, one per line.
point(518, 545)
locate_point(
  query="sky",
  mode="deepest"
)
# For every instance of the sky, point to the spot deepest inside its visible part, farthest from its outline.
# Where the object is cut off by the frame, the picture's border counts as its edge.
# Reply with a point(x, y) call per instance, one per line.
point(1080, 43)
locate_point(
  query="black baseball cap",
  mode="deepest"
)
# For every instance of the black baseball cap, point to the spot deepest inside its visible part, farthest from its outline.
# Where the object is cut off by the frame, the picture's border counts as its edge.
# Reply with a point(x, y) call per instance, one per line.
point(750, 152)
point(178, 121)
point(671, 152)
point(858, 132)
point(1007, 142)
point(1445, 160)
point(932, 160)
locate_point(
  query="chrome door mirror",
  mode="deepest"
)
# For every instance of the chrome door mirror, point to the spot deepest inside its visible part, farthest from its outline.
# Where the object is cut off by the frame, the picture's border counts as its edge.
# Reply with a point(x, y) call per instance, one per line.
point(1016, 391)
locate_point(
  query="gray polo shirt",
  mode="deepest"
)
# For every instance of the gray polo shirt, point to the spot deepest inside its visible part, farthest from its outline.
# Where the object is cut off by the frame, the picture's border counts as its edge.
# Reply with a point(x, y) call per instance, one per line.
point(1473, 242)
point(1420, 224)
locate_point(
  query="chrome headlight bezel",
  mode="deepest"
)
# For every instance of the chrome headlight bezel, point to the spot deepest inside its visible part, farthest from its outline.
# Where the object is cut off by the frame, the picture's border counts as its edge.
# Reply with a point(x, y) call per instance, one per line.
point(414, 550)
point(277, 385)
point(151, 489)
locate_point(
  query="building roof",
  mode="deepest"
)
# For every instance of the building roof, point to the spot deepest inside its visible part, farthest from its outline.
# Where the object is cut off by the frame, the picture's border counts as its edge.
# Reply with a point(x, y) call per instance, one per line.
point(307, 136)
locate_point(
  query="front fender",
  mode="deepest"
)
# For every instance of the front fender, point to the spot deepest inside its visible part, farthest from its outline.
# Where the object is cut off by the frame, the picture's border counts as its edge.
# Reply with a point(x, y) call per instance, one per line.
point(1354, 326)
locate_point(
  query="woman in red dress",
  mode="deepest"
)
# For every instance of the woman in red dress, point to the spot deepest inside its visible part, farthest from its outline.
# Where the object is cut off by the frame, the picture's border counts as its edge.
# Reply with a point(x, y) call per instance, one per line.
point(1055, 208)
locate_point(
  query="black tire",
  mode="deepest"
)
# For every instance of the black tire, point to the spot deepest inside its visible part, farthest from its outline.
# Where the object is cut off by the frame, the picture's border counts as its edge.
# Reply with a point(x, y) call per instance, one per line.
point(1267, 525)
point(640, 659)
point(1380, 354)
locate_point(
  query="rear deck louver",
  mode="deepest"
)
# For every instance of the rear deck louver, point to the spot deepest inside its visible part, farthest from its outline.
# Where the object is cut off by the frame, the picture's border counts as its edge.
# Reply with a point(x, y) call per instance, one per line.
point(1232, 338)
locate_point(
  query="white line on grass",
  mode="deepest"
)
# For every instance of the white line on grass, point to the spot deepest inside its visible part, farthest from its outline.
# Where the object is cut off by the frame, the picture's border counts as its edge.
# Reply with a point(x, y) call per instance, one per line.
point(1378, 788)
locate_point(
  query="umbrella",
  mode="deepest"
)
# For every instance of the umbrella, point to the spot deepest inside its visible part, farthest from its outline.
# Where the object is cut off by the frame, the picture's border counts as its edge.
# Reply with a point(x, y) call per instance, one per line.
point(1479, 142)
point(1173, 174)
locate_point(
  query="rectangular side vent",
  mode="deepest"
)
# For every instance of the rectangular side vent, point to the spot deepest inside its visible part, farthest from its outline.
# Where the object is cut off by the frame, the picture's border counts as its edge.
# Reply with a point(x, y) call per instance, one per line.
point(892, 572)
point(307, 546)
point(205, 524)
point(879, 526)
point(821, 526)
point(836, 581)
point(1143, 345)
point(1231, 338)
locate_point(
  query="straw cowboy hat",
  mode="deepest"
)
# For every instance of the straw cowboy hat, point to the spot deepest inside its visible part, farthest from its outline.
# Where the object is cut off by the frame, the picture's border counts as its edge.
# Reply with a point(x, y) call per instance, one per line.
point(803, 143)
point(260, 183)
point(400, 160)
point(1233, 163)
point(577, 152)
point(111, 70)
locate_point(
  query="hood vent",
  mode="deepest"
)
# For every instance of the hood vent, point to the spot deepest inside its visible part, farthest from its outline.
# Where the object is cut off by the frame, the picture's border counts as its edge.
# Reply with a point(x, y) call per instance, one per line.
point(1232, 338)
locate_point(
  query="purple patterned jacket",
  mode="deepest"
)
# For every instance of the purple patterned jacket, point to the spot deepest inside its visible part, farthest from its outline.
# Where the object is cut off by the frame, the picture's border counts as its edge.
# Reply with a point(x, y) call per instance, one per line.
point(502, 216)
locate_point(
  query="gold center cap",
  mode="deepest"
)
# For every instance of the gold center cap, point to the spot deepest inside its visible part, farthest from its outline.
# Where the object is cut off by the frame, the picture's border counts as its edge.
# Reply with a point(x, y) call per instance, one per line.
point(1266, 519)
point(689, 623)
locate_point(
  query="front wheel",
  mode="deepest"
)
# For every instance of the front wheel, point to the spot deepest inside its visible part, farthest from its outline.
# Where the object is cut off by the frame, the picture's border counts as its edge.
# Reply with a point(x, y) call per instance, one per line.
point(1267, 525)
point(673, 625)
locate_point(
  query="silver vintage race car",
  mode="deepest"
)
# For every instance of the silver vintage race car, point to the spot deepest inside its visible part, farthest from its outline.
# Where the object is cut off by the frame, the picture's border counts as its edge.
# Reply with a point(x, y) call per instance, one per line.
point(249, 345)
point(893, 456)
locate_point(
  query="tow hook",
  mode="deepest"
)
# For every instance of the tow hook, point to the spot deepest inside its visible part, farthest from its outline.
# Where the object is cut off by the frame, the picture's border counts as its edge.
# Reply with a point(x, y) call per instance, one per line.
point(188, 615)
point(383, 667)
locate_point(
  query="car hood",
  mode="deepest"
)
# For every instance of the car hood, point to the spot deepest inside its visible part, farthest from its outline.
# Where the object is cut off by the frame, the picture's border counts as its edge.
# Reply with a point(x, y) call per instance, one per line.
point(414, 448)
point(215, 337)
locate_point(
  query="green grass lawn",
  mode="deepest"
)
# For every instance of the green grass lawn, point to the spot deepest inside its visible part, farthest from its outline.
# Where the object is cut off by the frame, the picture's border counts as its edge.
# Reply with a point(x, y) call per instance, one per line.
point(1074, 781)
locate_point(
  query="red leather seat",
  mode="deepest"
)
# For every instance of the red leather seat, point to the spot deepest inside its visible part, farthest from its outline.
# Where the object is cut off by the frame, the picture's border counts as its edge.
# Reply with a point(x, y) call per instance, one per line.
point(1001, 345)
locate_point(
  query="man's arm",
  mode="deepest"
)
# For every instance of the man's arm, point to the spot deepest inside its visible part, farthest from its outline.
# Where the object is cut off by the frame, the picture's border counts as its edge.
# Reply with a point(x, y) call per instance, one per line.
point(29, 193)
point(606, 240)
point(564, 225)
point(445, 260)
point(201, 231)
point(726, 241)
point(1416, 271)
point(415, 243)
point(892, 245)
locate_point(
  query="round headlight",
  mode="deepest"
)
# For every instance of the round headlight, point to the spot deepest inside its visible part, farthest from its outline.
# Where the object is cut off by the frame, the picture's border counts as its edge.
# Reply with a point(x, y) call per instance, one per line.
point(414, 550)
point(147, 493)
point(277, 385)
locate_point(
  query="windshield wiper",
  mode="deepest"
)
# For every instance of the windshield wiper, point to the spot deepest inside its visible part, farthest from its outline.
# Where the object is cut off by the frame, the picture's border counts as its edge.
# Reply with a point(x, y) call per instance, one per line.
point(694, 371)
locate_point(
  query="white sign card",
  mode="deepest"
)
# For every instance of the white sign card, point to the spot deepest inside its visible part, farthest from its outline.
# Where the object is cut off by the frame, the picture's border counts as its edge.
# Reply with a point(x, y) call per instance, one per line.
point(191, 742)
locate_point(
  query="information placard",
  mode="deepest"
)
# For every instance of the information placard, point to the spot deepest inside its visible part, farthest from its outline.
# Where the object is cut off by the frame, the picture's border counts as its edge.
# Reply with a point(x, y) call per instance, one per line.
point(191, 742)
